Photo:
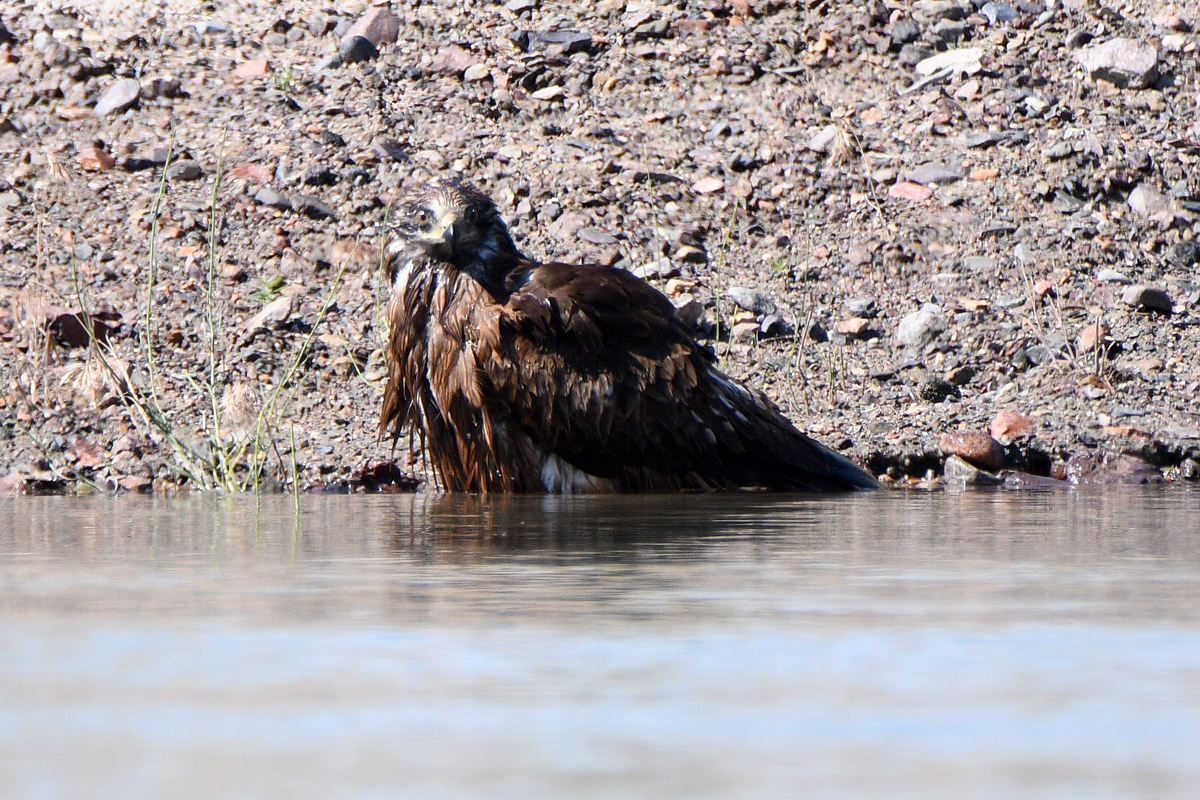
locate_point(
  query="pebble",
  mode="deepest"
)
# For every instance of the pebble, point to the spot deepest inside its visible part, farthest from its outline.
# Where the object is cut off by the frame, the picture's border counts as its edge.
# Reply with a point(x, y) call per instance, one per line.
point(933, 174)
point(1126, 63)
point(453, 59)
point(774, 326)
point(861, 307)
point(311, 207)
point(96, 159)
point(1184, 253)
point(934, 389)
point(379, 26)
point(596, 236)
point(120, 96)
point(974, 447)
point(1108, 275)
point(184, 170)
point(744, 331)
point(1088, 339)
point(355, 49)
point(853, 327)
point(1147, 298)
point(318, 175)
point(273, 315)
point(254, 68)
point(1146, 201)
point(999, 13)
point(750, 300)
point(965, 60)
point(476, 72)
point(1008, 425)
point(708, 185)
point(820, 142)
point(269, 197)
point(906, 190)
point(959, 472)
point(920, 327)
point(904, 31)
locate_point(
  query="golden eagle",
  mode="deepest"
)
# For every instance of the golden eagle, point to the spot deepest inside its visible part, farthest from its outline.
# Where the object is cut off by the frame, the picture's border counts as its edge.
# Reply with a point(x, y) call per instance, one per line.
point(526, 377)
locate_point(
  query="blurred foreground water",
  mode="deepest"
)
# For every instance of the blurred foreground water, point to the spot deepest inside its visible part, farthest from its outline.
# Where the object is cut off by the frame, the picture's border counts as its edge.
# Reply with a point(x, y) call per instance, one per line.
point(969, 645)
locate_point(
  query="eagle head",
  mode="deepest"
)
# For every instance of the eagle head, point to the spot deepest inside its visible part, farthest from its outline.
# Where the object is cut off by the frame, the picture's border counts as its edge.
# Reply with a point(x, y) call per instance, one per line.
point(453, 224)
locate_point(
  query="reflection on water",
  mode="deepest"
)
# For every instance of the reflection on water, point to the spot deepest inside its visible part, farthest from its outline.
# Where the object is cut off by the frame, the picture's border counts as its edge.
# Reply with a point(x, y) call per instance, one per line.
point(1019, 644)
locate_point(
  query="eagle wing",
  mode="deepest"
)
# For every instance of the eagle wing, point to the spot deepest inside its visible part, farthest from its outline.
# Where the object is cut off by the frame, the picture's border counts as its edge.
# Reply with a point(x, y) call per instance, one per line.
point(594, 366)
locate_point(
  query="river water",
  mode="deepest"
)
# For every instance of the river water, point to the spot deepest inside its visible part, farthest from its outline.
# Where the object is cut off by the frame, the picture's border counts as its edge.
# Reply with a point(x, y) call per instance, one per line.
point(951, 645)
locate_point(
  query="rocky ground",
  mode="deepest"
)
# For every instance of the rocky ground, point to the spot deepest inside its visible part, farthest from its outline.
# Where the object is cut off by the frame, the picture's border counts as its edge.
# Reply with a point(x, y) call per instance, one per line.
point(942, 235)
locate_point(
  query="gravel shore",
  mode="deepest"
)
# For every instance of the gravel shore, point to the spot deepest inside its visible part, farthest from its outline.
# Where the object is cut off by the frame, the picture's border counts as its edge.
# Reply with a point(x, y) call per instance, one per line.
point(954, 239)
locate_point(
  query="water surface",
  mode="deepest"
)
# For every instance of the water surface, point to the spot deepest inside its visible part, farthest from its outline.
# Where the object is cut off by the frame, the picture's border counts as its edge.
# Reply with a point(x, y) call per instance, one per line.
point(1023, 645)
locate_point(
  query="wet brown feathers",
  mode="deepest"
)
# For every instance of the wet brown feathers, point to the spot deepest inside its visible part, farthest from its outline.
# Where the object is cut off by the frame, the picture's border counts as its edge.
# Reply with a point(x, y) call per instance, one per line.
point(524, 377)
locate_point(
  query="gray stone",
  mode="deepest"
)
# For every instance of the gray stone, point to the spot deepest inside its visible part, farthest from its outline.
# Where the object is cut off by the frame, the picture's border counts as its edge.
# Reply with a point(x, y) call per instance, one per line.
point(861, 307)
point(920, 327)
point(979, 264)
point(752, 301)
point(1127, 63)
point(820, 142)
point(905, 31)
point(932, 174)
point(273, 315)
point(1112, 276)
point(120, 96)
point(774, 325)
point(912, 54)
point(9, 200)
point(184, 170)
point(1148, 298)
point(357, 48)
point(959, 472)
point(999, 13)
point(1059, 151)
point(313, 208)
point(1146, 201)
point(1184, 253)
point(595, 236)
point(379, 26)
point(269, 197)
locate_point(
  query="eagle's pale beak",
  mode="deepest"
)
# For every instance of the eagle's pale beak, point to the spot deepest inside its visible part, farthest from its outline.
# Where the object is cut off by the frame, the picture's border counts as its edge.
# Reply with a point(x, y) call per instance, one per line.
point(446, 230)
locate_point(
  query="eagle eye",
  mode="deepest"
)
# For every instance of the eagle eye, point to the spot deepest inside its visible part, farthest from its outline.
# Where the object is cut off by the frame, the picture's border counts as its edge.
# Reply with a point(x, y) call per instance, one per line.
point(423, 218)
point(470, 214)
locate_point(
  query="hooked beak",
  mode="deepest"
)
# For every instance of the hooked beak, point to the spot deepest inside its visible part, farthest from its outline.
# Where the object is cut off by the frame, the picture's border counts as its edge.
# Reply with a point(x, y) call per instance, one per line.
point(445, 232)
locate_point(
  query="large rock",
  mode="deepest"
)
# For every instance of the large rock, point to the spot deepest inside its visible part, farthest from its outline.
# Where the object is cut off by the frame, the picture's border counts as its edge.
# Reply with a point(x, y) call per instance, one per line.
point(1127, 63)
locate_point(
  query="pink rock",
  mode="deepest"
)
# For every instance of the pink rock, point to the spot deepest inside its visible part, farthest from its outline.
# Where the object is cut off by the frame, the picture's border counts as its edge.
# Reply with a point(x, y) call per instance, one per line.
point(907, 190)
point(379, 26)
point(708, 185)
point(254, 68)
point(974, 447)
point(1010, 424)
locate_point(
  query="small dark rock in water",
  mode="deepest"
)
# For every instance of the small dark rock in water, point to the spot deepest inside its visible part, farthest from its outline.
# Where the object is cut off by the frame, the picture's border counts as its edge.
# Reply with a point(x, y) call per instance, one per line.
point(1184, 253)
point(935, 390)
point(959, 471)
point(357, 48)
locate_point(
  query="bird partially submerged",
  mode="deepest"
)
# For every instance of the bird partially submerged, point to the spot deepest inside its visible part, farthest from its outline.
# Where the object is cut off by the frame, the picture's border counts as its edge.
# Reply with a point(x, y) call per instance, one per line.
point(519, 376)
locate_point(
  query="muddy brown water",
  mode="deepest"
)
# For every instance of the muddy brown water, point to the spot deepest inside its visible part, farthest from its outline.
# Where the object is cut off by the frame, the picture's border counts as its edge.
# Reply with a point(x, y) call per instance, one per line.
point(972, 645)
